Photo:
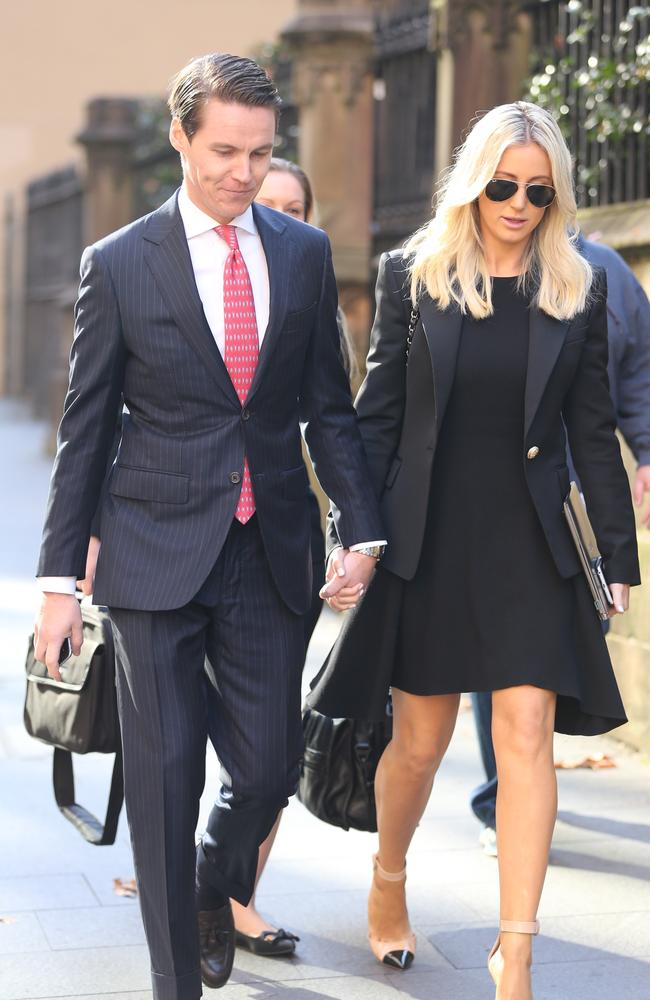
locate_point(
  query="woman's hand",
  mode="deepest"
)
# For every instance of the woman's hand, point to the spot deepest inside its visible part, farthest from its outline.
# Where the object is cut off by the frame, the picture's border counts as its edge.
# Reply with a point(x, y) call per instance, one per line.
point(346, 598)
point(348, 574)
point(621, 595)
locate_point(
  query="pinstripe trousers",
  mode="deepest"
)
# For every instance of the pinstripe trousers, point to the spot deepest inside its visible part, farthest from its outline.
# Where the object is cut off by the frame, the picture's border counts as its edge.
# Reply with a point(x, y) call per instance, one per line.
point(249, 709)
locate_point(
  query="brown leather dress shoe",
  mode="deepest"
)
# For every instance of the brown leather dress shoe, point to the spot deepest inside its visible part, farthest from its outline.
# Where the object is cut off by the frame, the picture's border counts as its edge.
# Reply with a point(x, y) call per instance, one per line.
point(217, 943)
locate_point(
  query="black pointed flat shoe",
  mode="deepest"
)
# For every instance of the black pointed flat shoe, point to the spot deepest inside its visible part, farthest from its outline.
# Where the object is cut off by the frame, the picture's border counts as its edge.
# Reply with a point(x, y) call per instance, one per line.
point(271, 944)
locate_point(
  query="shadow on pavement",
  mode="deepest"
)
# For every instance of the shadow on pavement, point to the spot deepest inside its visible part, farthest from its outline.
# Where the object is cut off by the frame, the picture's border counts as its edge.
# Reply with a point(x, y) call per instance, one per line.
point(564, 858)
point(613, 827)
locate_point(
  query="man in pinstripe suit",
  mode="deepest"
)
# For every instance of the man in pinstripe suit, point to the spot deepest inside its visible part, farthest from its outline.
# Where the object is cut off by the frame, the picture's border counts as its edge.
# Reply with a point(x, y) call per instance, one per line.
point(205, 520)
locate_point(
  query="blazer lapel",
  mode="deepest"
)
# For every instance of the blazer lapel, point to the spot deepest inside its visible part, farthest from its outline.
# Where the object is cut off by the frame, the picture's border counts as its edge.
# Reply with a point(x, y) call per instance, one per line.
point(442, 331)
point(545, 340)
point(278, 250)
point(168, 257)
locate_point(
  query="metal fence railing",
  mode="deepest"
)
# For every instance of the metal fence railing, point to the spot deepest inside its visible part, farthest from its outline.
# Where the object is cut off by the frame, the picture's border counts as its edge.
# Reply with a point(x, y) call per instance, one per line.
point(591, 67)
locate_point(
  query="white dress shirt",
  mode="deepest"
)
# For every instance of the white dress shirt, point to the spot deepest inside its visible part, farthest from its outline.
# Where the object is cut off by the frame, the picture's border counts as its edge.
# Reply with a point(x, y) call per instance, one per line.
point(208, 253)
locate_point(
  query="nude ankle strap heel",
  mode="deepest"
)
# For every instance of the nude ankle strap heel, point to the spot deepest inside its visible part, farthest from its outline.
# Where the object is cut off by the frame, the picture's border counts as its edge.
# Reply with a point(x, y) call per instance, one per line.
point(495, 961)
point(388, 876)
point(399, 954)
point(519, 926)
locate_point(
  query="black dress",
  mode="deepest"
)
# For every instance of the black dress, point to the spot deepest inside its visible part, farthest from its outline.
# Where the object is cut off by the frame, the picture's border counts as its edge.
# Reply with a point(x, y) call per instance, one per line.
point(487, 608)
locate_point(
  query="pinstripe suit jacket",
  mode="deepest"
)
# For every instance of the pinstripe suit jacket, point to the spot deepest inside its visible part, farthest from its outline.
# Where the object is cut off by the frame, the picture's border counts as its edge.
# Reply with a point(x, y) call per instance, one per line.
point(141, 335)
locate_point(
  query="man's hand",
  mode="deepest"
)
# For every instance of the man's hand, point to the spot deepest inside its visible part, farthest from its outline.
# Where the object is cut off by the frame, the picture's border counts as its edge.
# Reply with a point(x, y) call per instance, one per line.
point(621, 595)
point(87, 584)
point(348, 575)
point(642, 486)
point(59, 617)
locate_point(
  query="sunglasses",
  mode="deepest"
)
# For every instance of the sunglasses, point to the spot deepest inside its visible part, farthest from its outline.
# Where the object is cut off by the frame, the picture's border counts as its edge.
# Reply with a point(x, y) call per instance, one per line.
point(539, 195)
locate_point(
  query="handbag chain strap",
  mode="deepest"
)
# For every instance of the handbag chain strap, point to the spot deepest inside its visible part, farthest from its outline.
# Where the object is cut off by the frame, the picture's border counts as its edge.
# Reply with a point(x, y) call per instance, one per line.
point(413, 322)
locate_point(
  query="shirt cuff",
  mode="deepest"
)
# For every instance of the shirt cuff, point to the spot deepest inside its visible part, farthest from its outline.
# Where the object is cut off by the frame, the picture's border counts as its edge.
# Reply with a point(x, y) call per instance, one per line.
point(58, 584)
point(367, 545)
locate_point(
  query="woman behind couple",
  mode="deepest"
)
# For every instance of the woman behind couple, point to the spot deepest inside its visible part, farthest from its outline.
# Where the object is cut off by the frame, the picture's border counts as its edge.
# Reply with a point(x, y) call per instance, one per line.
point(480, 588)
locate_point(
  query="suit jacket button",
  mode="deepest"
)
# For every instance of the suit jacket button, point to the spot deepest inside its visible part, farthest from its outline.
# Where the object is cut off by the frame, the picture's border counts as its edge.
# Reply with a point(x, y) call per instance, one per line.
point(235, 477)
point(245, 414)
point(532, 452)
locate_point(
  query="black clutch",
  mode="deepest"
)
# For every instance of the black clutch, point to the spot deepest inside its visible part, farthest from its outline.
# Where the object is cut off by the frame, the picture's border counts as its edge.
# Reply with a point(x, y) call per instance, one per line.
point(78, 714)
point(591, 560)
point(338, 770)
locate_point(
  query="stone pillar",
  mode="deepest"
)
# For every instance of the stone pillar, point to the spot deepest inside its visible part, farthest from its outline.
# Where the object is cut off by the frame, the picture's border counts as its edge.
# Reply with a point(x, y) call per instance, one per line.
point(108, 141)
point(489, 42)
point(331, 44)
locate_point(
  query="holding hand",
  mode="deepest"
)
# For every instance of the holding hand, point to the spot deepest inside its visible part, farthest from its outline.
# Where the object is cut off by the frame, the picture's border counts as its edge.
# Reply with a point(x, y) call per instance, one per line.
point(348, 575)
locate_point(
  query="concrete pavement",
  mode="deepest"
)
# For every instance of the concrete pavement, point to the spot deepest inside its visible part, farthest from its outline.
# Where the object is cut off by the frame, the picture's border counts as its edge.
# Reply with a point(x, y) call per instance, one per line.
point(64, 932)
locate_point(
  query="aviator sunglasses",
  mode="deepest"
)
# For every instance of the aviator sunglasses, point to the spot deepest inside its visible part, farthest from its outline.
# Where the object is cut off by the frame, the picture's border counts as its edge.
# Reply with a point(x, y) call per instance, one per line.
point(539, 195)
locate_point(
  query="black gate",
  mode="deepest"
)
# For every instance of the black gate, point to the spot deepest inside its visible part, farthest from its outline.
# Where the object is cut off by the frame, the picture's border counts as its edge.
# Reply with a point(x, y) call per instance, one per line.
point(588, 48)
point(54, 245)
point(405, 101)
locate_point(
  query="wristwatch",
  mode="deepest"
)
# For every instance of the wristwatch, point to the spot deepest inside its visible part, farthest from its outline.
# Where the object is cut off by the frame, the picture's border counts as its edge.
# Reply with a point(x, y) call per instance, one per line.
point(376, 551)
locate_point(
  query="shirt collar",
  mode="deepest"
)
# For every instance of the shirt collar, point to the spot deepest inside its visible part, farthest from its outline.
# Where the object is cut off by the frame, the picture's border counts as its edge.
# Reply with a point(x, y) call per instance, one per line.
point(196, 221)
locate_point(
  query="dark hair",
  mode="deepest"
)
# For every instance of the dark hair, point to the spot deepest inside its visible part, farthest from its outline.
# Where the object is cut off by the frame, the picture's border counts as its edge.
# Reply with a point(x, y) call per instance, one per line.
point(231, 79)
point(288, 167)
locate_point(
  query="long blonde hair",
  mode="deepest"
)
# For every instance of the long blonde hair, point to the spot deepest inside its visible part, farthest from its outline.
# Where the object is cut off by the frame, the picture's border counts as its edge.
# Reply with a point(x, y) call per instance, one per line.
point(446, 256)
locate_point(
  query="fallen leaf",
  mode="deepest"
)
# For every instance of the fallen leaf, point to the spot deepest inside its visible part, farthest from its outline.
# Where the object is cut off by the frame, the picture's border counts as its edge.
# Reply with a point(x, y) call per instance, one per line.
point(7, 920)
point(129, 888)
point(596, 762)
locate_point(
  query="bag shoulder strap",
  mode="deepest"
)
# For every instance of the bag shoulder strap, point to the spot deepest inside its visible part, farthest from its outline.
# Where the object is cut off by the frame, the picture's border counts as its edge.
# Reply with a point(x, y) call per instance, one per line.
point(413, 322)
point(88, 825)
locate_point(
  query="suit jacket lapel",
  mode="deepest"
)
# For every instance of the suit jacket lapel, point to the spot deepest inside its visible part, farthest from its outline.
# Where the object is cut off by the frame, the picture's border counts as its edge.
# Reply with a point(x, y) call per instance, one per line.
point(168, 257)
point(442, 331)
point(545, 340)
point(278, 250)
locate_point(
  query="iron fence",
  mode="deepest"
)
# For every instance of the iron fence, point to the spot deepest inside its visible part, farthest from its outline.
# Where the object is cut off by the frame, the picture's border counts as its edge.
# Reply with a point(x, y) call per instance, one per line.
point(404, 145)
point(54, 245)
point(589, 47)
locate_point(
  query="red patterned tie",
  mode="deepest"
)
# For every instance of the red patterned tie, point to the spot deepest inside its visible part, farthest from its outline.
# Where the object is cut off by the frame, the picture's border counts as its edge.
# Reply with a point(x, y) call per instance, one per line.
point(241, 343)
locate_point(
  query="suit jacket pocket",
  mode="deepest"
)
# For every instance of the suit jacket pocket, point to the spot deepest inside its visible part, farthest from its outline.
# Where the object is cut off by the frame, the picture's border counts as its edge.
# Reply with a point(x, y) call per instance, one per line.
point(300, 317)
point(295, 483)
point(392, 472)
point(149, 484)
point(564, 480)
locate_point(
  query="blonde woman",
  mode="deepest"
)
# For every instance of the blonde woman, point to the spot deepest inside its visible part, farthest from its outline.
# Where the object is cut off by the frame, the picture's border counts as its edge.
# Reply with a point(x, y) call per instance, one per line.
point(480, 587)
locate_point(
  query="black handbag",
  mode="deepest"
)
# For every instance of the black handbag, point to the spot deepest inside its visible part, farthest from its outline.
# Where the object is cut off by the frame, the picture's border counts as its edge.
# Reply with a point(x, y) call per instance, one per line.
point(78, 714)
point(337, 780)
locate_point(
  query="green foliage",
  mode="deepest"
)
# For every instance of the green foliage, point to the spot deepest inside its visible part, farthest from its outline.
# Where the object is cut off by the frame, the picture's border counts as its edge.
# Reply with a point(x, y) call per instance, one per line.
point(600, 90)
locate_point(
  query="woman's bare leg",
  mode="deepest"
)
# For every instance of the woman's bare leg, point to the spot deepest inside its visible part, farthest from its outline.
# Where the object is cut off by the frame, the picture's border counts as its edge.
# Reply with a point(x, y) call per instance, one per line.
point(422, 729)
point(522, 728)
point(247, 918)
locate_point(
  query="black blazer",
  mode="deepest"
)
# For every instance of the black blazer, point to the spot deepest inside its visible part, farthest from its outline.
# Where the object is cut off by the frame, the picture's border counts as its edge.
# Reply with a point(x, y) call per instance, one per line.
point(401, 408)
point(141, 334)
